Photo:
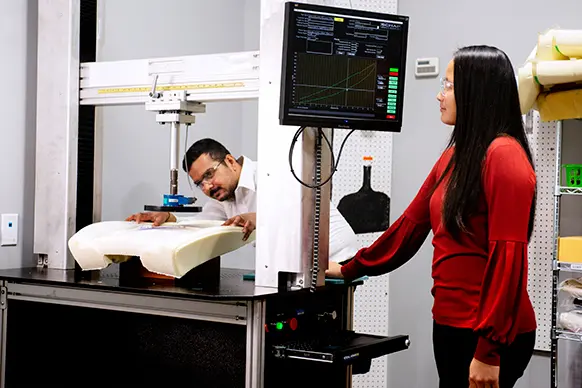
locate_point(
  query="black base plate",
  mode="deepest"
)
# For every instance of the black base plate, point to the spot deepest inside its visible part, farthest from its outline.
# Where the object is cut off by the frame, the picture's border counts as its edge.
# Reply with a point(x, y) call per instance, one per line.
point(173, 209)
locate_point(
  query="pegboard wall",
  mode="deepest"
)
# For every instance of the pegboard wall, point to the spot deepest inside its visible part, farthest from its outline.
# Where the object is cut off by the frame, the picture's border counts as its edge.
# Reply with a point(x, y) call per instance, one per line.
point(371, 301)
point(542, 138)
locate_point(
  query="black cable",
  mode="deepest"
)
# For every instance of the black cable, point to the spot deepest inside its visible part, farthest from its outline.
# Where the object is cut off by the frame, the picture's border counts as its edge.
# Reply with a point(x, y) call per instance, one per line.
point(341, 149)
point(317, 187)
point(334, 163)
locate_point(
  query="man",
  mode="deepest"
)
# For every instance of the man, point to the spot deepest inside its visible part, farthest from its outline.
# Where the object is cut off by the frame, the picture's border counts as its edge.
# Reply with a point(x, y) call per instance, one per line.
point(232, 186)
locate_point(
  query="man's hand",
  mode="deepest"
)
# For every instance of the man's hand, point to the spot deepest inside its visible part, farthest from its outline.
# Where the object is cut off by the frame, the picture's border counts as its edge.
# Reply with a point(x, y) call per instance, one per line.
point(482, 375)
point(334, 270)
point(248, 221)
point(158, 218)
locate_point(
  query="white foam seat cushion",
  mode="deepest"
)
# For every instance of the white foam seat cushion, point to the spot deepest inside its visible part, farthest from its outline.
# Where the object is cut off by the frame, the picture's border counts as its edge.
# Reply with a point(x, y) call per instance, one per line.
point(172, 249)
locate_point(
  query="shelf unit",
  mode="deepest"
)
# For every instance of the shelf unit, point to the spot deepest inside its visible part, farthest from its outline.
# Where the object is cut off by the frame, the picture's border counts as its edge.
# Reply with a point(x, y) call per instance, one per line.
point(557, 334)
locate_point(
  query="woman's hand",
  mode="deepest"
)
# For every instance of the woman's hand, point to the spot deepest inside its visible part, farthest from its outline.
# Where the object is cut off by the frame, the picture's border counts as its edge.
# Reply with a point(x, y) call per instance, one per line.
point(334, 270)
point(482, 375)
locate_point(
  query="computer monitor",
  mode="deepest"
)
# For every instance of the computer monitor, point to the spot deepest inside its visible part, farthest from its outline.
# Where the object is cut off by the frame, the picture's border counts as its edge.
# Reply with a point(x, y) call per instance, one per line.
point(343, 68)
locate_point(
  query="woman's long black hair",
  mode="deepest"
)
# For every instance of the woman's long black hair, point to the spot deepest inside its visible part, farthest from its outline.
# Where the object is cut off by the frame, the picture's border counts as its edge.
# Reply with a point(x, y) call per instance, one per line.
point(488, 106)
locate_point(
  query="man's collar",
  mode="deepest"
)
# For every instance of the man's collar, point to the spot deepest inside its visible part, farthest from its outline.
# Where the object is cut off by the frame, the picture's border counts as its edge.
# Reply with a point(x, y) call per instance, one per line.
point(248, 172)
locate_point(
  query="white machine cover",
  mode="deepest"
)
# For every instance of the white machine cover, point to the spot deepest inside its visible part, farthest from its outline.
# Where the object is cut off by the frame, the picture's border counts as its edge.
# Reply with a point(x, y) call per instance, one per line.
point(550, 81)
point(171, 249)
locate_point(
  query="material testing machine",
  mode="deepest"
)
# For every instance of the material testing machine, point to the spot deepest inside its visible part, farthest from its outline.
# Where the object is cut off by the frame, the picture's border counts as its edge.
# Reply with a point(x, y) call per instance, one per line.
point(116, 329)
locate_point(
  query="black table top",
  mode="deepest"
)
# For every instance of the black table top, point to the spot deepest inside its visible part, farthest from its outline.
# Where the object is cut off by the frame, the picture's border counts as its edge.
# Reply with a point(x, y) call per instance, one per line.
point(232, 285)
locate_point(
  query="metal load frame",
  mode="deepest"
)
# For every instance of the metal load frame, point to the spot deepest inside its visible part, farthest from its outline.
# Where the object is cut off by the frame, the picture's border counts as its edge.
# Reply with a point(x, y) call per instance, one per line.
point(65, 84)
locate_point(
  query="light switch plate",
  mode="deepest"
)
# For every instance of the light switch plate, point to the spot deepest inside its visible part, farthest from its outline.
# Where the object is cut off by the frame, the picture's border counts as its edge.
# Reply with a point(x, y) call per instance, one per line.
point(9, 230)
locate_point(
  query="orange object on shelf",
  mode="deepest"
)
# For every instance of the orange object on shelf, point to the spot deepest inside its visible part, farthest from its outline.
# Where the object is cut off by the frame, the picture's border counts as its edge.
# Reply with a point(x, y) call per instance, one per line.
point(570, 249)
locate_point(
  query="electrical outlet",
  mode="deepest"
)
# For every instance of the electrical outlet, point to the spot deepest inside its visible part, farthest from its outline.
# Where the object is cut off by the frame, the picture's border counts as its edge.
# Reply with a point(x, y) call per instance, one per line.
point(9, 230)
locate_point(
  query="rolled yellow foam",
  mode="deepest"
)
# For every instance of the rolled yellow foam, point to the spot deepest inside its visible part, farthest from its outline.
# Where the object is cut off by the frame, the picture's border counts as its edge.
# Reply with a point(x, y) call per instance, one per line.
point(568, 42)
point(558, 72)
point(528, 87)
point(547, 48)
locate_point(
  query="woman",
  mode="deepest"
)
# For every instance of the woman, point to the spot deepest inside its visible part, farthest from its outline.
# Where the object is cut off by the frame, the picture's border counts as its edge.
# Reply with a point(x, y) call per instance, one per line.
point(479, 202)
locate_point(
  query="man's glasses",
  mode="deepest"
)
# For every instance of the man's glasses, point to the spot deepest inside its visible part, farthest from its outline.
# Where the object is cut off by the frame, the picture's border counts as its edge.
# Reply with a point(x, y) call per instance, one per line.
point(208, 175)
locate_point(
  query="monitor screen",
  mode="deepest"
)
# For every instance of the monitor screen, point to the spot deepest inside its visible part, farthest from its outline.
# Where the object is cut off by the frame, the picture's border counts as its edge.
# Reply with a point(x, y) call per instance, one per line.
point(343, 68)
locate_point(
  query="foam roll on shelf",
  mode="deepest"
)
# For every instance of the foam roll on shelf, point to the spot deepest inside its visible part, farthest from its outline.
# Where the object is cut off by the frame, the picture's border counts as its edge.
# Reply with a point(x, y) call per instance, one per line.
point(172, 249)
point(568, 42)
point(550, 80)
point(559, 72)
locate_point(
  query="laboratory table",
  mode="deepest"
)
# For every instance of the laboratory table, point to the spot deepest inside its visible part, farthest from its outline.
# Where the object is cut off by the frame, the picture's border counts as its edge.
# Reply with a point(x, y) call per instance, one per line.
point(63, 328)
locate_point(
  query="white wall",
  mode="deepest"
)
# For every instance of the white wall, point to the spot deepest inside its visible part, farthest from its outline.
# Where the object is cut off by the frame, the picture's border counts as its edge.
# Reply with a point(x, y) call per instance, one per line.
point(18, 27)
point(437, 28)
point(135, 148)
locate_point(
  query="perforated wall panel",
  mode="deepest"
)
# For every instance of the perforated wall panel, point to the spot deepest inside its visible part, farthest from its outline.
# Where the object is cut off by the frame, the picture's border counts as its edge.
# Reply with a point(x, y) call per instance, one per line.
point(542, 141)
point(371, 301)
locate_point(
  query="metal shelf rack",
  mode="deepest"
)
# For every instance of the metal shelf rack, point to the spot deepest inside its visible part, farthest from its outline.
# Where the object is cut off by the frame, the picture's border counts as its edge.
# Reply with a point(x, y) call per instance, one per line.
point(558, 334)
